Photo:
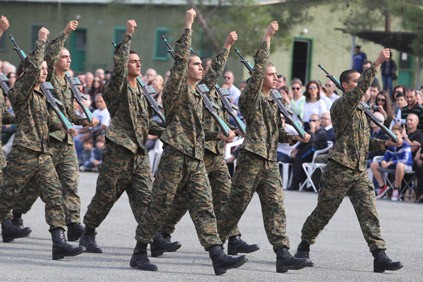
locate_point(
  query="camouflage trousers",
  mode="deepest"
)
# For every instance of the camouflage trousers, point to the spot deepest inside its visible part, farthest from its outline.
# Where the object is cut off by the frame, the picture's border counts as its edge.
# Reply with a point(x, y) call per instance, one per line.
point(220, 182)
point(339, 181)
point(179, 174)
point(255, 174)
point(25, 166)
point(66, 164)
point(121, 170)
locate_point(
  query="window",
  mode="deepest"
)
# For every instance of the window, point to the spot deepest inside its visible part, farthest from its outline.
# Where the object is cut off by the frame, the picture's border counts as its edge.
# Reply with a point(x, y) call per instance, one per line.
point(160, 48)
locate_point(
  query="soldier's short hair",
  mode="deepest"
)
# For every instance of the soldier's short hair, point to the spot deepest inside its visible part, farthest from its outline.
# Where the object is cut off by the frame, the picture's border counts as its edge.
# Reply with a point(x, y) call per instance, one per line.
point(345, 75)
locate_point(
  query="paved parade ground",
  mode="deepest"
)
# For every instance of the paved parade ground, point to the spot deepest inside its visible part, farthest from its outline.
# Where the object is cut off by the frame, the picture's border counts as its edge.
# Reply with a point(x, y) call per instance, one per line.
point(340, 254)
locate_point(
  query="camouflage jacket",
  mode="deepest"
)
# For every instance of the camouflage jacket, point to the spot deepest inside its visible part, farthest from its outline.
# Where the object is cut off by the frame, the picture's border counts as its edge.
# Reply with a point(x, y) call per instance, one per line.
point(128, 108)
point(183, 106)
point(211, 127)
point(261, 113)
point(33, 120)
point(5, 118)
point(352, 126)
point(62, 91)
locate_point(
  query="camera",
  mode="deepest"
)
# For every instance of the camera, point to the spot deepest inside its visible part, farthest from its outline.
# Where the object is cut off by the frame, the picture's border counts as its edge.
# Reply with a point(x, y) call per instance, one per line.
point(375, 108)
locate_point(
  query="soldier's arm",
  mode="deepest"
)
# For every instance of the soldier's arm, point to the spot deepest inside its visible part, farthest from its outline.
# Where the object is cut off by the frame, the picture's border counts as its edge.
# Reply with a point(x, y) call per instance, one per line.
point(154, 128)
point(219, 62)
point(179, 72)
point(8, 118)
point(54, 47)
point(113, 90)
point(24, 85)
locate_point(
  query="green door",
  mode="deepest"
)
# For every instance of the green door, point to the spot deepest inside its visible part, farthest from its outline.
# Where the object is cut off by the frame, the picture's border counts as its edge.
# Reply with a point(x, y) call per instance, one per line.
point(77, 48)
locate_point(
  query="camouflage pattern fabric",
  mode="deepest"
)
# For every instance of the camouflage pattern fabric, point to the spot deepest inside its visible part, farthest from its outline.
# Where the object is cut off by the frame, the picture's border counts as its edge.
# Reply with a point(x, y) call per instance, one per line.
point(120, 171)
point(339, 181)
point(30, 160)
point(181, 168)
point(346, 174)
point(257, 170)
point(125, 163)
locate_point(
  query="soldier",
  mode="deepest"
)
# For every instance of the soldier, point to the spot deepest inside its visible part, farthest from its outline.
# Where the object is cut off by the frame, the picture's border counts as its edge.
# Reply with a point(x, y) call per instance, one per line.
point(217, 170)
point(30, 160)
point(181, 168)
point(257, 169)
point(346, 172)
point(125, 165)
point(61, 143)
point(10, 229)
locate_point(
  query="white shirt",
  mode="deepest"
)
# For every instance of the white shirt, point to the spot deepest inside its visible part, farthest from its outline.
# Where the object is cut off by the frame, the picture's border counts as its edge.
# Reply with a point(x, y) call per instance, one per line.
point(318, 107)
point(235, 93)
point(103, 116)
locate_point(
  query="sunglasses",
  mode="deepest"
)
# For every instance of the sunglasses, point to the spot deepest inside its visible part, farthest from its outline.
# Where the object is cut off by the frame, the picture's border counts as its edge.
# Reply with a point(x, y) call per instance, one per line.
point(295, 88)
point(312, 87)
point(380, 100)
point(313, 120)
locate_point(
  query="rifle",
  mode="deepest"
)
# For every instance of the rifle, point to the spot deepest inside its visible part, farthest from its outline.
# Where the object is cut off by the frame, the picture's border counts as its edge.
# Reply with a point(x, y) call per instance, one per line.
point(46, 88)
point(73, 82)
point(229, 107)
point(368, 113)
point(277, 97)
point(148, 92)
point(203, 90)
point(3, 83)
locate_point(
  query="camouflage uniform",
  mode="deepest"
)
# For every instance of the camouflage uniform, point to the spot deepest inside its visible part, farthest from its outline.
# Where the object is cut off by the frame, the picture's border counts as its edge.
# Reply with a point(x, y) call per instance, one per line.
point(181, 168)
point(125, 165)
point(61, 143)
point(30, 160)
point(257, 169)
point(346, 172)
point(217, 170)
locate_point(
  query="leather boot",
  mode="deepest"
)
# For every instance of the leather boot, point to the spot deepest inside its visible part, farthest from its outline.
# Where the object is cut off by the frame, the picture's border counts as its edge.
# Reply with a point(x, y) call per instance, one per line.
point(223, 262)
point(75, 231)
point(237, 245)
point(303, 252)
point(161, 243)
point(140, 260)
point(382, 262)
point(285, 261)
point(9, 232)
point(88, 241)
point(62, 249)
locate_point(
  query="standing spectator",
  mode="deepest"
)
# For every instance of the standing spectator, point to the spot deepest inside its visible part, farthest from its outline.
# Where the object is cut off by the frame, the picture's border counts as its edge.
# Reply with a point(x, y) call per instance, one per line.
point(399, 104)
point(412, 108)
point(313, 104)
point(331, 94)
point(158, 84)
point(388, 71)
point(89, 79)
point(11, 76)
point(297, 102)
point(281, 81)
point(398, 158)
point(375, 82)
point(100, 73)
point(358, 59)
point(149, 75)
point(374, 90)
point(419, 97)
point(229, 84)
point(383, 104)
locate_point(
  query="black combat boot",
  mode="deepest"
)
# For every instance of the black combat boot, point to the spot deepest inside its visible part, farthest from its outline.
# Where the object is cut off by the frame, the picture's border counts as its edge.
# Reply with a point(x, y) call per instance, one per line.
point(75, 231)
point(382, 262)
point(237, 245)
point(140, 260)
point(62, 249)
point(285, 261)
point(303, 252)
point(9, 232)
point(223, 262)
point(88, 241)
point(161, 243)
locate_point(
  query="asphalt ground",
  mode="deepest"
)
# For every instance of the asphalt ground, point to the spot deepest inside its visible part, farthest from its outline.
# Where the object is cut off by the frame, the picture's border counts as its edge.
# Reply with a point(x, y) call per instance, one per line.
point(340, 253)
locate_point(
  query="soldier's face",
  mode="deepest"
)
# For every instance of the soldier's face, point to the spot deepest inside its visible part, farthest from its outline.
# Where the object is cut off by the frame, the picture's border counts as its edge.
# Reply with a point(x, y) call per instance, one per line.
point(352, 82)
point(195, 68)
point(271, 78)
point(64, 61)
point(43, 73)
point(134, 65)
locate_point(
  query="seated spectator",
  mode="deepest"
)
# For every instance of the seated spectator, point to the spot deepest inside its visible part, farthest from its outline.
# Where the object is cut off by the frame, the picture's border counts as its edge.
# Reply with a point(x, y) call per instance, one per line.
point(304, 152)
point(103, 116)
point(377, 133)
point(284, 149)
point(85, 155)
point(96, 88)
point(399, 104)
point(97, 154)
point(414, 137)
point(398, 158)
point(296, 105)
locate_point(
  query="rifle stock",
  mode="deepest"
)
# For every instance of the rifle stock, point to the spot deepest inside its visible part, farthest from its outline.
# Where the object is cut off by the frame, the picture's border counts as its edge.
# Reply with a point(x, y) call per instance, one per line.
point(368, 113)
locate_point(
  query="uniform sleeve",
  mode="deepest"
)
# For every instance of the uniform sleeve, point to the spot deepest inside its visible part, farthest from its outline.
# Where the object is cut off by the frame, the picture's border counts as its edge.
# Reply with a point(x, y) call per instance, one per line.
point(154, 128)
point(216, 69)
point(8, 118)
point(52, 53)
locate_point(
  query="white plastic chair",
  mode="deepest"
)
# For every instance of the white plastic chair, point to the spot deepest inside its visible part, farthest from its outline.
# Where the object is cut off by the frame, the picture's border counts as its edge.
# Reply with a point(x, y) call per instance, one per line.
point(310, 168)
point(284, 169)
